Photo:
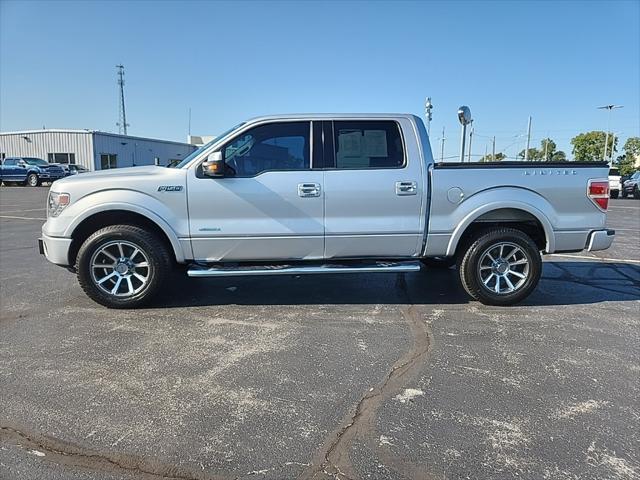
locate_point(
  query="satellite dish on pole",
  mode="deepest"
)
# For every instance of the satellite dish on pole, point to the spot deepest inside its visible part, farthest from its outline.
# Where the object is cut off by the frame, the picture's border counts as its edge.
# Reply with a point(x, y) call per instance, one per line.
point(464, 115)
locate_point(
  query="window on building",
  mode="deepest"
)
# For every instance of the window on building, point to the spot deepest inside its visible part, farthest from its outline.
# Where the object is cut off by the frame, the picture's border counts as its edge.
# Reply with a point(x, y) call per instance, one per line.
point(66, 158)
point(108, 160)
point(274, 146)
point(2, 157)
point(368, 144)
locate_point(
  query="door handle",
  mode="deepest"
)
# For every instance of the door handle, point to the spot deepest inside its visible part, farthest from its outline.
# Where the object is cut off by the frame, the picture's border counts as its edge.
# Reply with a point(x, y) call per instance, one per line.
point(308, 189)
point(406, 188)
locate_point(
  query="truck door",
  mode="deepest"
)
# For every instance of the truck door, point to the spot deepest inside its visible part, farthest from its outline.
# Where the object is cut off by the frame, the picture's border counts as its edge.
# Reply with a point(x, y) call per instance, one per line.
point(374, 190)
point(269, 205)
point(10, 170)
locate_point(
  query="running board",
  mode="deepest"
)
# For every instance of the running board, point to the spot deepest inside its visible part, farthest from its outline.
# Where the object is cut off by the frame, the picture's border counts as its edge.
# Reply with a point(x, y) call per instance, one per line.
point(283, 269)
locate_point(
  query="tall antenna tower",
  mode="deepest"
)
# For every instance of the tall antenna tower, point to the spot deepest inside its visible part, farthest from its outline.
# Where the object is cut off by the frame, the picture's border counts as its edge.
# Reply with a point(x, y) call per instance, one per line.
point(122, 117)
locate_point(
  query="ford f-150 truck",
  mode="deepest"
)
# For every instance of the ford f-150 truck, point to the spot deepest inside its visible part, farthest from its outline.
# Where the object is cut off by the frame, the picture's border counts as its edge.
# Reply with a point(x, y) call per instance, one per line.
point(300, 194)
point(29, 171)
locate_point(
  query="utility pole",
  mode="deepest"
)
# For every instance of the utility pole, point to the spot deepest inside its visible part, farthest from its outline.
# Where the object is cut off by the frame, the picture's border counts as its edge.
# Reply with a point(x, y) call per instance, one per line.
point(606, 137)
point(526, 152)
point(546, 148)
point(428, 106)
point(470, 140)
point(493, 149)
point(189, 132)
point(442, 147)
point(122, 120)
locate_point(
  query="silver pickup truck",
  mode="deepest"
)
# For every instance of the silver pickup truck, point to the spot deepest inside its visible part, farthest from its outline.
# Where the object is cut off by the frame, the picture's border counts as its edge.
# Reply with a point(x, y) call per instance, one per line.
point(298, 194)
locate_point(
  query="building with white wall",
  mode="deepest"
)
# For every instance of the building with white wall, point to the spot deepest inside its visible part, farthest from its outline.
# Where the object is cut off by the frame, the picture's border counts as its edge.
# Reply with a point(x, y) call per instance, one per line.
point(92, 149)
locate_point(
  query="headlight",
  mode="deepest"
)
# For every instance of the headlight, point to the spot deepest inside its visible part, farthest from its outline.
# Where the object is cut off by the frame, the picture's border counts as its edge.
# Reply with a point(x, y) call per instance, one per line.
point(57, 202)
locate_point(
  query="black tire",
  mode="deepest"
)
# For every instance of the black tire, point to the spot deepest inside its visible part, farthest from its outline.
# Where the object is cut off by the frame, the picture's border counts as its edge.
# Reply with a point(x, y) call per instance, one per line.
point(32, 180)
point(473, 258)
point(623, 194)
point(636, 192)
point(158, 258)
point(439, 262)
point(614, 194)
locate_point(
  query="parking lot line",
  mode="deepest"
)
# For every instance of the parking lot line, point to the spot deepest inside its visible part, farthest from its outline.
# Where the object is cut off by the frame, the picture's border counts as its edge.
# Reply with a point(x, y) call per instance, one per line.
point(24, 210)
point(604, 259)
point(21, 218)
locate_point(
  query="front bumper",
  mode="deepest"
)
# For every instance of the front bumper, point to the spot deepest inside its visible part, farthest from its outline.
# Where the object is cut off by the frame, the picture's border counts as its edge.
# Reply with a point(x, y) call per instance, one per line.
point(600, 240)
point(55, 249)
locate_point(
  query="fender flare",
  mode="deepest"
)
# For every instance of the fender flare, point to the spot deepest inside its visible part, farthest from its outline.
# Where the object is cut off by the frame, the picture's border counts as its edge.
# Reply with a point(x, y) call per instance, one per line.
point(131, 207)
point(499, 205)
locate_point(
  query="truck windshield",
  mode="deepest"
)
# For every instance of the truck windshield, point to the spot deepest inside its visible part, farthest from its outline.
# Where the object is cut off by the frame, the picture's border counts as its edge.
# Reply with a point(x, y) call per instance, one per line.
point(34, 161)
point(197, 152)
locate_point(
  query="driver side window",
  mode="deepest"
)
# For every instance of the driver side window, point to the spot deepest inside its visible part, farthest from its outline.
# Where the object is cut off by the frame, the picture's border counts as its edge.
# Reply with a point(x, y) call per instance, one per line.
point(274, 146)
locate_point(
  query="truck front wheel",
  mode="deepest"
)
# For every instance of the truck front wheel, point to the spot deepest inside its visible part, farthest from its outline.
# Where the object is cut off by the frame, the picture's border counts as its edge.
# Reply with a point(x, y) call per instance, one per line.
point(501, 267)
point(33, 180)
point(122, 266)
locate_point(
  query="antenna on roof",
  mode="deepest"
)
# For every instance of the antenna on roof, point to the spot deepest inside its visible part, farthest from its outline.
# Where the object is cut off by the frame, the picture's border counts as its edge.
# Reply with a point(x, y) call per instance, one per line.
point(122, 117)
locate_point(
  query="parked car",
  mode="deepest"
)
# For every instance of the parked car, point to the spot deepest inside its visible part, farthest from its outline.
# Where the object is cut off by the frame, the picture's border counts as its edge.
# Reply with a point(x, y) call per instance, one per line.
point(72, 168)
point(29, 171)
point(632, 186)
point(614, 182)
point(311, 194)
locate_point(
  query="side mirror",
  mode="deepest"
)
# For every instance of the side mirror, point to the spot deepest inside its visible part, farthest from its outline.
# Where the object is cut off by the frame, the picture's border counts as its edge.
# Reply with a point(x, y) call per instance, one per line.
point(22, 163)
point(214, 165)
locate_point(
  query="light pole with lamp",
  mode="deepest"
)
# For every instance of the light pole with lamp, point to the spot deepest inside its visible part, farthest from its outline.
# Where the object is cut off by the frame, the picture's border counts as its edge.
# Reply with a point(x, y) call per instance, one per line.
point(464, 117)
point(606, 137)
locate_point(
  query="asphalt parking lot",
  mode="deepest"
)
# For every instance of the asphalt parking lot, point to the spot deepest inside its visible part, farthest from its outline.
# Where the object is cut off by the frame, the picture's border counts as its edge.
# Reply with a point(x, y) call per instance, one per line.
point(373, 376)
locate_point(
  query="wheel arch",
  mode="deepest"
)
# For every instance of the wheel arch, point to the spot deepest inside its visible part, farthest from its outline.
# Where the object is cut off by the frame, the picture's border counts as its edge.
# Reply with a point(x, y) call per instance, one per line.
point(516, 215)
point(115, 214)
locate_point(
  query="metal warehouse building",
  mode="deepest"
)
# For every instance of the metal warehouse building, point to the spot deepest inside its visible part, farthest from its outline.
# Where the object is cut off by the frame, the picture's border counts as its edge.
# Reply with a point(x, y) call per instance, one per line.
point(92, 149)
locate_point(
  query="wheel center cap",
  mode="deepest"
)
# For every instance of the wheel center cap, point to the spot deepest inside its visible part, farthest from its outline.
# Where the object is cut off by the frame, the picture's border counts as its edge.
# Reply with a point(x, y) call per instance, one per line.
point(502, 267)
point(122, 268)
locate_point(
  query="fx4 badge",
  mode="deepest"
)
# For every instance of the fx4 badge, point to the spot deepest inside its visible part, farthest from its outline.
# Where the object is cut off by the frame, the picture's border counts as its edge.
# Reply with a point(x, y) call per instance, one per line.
point(170, 188)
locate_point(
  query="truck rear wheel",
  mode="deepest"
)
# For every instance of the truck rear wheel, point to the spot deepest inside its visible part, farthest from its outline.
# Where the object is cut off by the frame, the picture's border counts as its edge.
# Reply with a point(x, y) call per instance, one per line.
point(501, 267)
point(122, 266)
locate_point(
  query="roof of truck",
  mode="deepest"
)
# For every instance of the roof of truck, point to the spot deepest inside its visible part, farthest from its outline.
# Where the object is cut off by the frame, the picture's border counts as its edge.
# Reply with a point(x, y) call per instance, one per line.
point(332, 116)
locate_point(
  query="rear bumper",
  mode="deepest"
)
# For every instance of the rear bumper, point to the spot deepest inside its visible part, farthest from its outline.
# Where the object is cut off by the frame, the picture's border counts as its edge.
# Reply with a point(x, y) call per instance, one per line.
point(55, 249)
point(600, 240)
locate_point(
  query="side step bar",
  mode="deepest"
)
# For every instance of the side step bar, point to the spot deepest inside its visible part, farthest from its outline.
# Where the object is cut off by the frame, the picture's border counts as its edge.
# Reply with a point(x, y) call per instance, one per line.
point(244, 270)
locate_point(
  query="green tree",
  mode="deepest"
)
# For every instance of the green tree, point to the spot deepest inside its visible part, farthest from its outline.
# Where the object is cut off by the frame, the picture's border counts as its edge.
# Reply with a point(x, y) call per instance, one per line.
point(626, 161)
point(589, 147)
point(489, 158)
point(546, 153)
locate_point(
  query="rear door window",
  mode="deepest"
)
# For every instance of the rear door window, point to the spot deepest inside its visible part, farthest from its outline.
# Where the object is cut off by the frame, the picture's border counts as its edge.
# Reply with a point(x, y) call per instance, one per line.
point(368, 144)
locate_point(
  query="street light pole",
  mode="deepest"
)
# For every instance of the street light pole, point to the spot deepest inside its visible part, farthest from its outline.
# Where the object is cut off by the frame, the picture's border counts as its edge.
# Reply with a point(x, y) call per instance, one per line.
point(442, 147)
point(606, 137)
point(526, 151)
point(470, 140)
point(464, 117)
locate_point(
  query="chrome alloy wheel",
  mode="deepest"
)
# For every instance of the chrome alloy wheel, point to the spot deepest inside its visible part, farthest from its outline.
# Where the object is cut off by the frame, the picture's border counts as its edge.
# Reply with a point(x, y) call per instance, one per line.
point(503, 268)
point(120, 268)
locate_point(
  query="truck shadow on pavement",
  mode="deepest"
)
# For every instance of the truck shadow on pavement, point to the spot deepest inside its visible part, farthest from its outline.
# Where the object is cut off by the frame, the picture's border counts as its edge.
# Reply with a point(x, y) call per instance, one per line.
point(562, 283)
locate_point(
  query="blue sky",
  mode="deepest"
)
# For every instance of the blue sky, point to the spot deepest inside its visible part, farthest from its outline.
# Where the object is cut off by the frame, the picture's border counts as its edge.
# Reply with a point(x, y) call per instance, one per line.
point(555, 61)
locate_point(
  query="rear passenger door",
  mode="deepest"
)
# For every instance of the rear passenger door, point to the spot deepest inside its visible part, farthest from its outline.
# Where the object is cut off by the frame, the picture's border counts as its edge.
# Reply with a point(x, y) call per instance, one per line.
point(373, 190)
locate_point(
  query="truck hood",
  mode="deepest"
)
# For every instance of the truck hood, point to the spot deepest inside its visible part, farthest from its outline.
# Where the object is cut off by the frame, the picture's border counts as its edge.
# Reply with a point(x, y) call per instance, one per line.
point(147, 180)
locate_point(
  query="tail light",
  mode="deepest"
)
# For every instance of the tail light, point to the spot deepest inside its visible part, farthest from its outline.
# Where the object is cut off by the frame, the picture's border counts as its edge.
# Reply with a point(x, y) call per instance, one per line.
point(598, 193)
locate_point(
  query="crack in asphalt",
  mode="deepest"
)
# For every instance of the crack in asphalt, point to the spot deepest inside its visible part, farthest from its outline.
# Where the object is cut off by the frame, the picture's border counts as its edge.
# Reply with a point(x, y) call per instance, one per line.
point(68, 454)
point(333, 460)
